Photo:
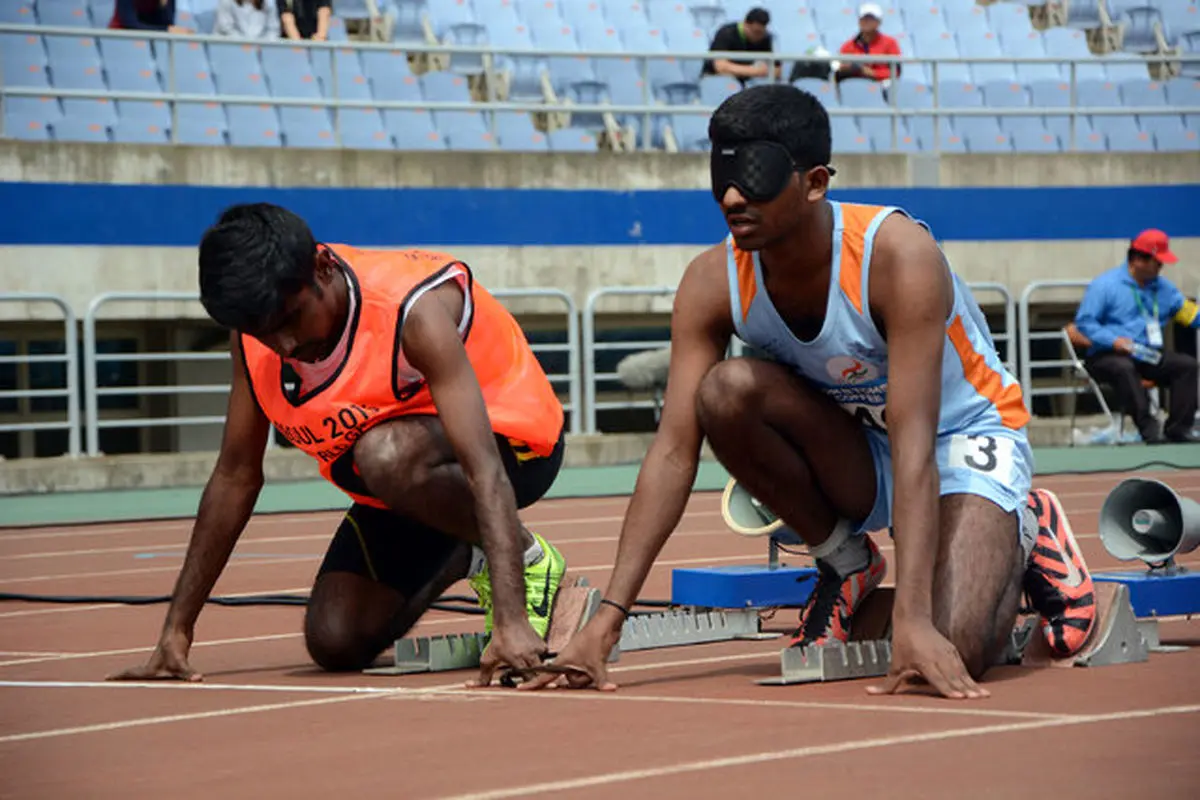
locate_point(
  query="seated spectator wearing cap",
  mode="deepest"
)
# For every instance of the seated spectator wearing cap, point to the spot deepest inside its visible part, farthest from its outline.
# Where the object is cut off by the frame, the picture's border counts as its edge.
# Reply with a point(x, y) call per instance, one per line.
point(247, 19)
point(750, 36)
point(1123, 314)
point(870, 42)
point(146, 15)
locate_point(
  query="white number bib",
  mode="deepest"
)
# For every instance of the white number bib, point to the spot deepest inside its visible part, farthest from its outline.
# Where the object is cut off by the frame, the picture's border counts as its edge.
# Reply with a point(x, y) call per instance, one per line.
point(988, 455)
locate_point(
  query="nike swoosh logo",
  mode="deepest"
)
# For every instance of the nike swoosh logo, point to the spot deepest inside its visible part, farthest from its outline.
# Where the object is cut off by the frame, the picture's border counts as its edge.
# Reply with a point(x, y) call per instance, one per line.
point(543, 608)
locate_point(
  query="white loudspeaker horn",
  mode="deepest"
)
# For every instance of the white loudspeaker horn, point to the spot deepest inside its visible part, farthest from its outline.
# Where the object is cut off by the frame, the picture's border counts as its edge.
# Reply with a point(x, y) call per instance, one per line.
point(1145, 519)
point(745, 515)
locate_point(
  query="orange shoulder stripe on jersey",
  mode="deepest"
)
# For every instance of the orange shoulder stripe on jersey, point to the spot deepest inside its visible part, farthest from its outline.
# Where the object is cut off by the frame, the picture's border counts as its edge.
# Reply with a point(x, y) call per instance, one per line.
point(855, 221)
point(1008, 400)
point(747, 285)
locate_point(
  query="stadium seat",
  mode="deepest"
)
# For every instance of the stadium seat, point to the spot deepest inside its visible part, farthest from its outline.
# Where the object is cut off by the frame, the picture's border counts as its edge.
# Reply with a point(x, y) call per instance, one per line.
point(253, 126)
point(306, 127)
point(1175, 141)
point(413, 130)
point(138, 131)
point(69, 129)
point(515, 132)
point(572, 140)
point(1028, 140)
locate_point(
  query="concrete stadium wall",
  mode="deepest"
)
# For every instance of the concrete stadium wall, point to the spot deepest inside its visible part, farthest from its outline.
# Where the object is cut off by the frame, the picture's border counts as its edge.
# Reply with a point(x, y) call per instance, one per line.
point(83, 219)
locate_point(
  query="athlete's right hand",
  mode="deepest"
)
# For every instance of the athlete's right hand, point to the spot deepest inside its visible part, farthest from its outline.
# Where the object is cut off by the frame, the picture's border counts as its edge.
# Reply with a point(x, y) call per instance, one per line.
point(168, 662)
point(584, 659)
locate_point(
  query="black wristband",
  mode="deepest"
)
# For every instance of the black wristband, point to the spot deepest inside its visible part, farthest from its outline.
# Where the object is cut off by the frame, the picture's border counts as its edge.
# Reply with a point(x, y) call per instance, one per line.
point(618, 606)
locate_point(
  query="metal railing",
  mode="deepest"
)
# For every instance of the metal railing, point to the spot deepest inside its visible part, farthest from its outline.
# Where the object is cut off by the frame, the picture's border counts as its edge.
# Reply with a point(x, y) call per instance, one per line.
point(69, 358)
point(1007, 337)
point(93, 392)
point(571, 347)
point(1028, 336)
point(647, 109)
point(591, 377)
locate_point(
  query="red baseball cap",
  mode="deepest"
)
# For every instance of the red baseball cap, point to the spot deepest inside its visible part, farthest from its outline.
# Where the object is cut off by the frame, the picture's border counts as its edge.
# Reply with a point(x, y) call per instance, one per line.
point(1156, 243)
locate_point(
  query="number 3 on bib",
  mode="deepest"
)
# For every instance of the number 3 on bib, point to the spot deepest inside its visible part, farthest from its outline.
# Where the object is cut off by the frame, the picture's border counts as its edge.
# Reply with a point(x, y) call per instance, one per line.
point(990, 455)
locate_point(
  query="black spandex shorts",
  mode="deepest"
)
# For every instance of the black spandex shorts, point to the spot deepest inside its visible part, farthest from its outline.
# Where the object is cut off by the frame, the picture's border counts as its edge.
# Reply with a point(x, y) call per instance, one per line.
point(406, 554)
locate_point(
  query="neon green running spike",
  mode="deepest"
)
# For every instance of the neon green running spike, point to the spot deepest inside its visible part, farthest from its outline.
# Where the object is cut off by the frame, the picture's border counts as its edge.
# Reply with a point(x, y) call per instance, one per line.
point(542, 580)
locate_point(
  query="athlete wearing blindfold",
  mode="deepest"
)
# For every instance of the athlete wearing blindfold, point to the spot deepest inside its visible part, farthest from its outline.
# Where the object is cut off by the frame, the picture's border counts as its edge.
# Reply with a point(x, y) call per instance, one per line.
point(880, 402)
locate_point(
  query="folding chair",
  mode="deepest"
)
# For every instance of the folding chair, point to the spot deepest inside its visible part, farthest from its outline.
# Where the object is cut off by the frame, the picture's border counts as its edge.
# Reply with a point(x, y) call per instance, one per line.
point(1074, 343)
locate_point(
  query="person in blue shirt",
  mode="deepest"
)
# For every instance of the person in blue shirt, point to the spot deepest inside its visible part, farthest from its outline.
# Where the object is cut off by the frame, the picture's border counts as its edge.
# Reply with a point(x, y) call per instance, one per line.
point(1123, 314)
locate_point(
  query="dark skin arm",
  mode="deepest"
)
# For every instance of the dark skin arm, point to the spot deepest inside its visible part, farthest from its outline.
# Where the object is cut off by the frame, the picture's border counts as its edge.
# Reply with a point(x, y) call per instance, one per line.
point(912, 295)
point(434, 347)
point(225, 508)
point(701, 329)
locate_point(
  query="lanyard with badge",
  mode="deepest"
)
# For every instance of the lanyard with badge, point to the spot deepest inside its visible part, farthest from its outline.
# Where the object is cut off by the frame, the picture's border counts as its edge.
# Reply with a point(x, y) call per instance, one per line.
point(1153, 326)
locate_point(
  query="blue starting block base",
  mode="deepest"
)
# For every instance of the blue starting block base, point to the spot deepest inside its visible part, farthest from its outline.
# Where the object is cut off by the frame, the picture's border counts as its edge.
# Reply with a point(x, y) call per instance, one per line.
point(1158, 594)
point(742, 586)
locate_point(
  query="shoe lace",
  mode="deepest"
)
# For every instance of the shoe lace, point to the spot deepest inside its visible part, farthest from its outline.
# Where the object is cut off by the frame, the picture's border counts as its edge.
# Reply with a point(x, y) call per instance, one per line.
point(821, 604)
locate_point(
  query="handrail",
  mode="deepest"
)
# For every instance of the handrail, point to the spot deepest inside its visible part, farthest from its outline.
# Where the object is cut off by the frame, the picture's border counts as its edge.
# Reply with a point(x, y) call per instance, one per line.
point(69, 358)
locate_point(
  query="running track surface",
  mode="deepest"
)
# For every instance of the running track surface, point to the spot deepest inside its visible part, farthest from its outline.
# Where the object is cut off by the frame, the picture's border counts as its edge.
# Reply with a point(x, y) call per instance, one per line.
point(686, 722)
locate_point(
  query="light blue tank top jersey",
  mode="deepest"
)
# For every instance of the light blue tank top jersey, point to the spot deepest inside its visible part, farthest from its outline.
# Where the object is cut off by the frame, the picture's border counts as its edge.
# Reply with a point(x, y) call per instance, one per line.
point(848, 359)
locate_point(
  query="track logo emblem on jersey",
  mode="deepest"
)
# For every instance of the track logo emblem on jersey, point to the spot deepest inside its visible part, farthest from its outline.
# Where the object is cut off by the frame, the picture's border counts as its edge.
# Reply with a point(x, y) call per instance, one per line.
point(845, 369)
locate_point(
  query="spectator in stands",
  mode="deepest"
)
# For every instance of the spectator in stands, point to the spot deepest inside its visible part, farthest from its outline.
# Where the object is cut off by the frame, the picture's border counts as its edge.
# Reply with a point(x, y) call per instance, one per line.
point(305, 19)
point(247, 19)
point(1122, 316)
point(146, 15)
point(750, 36)
point(870, 42)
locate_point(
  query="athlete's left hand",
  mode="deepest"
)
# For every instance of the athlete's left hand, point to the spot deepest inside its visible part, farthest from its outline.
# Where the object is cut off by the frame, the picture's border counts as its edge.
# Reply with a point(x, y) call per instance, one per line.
point(919, 651)
point(516, 645)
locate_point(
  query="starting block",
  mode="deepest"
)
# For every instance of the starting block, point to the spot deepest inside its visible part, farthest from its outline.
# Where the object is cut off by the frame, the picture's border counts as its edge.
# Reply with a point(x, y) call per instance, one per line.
point(1141, 519)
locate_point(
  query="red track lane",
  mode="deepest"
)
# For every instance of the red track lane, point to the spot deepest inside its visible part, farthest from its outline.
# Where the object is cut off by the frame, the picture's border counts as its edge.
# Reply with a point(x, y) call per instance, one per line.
point(687, 722)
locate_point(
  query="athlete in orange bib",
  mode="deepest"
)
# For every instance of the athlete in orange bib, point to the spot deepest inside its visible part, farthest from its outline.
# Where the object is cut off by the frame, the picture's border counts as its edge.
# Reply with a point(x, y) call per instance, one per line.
point(416, 392)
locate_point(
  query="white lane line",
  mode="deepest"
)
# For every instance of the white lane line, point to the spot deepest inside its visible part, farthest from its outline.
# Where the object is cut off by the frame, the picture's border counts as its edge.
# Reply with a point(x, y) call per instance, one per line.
point(626, 776)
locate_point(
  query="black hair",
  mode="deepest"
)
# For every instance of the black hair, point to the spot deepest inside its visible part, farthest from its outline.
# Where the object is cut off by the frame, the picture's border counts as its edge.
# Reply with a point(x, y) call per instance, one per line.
point(1133, 253)
point(775, 112)
point(252, 260)
point(758, 15)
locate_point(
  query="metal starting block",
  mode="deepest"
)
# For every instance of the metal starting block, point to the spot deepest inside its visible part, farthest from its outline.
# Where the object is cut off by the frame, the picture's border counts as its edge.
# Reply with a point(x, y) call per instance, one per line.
point(1118, 637)
point(574, 605)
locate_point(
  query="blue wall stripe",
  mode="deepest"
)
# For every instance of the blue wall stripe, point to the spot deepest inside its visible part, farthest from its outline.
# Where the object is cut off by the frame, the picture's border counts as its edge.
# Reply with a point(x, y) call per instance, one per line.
point(104, 214)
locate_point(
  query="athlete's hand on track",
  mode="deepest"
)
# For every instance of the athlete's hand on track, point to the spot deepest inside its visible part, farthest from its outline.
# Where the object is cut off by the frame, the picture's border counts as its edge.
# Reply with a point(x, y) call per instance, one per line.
point(516, 646)
point(582, 663)
point(168, 662)
point(919, 652)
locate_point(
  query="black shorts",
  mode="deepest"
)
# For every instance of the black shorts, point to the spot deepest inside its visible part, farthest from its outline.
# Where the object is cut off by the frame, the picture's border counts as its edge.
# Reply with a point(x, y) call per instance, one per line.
point(406, 554)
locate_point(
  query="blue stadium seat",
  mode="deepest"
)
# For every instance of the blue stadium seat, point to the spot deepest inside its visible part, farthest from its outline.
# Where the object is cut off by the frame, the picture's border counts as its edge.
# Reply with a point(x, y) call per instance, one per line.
point(362, 129)
point(1064, 42)
point(942, 46)
point(253, 126)
point(572, 140)
point(1169, 142)
point(447, 88)
point(63, 14)
point(690, 132)
point(563, 70)
point(443, 14)
point(1008, 94)
point(1011, 19)
point(515, 132)
point(1139, 23)
point(862, 94)
point(129, 77)
point(137, 131)
point(985, 142)
point(967, 19)
point(18, 13)
point(524, 72)
point(306, 127)
point(715, 88)
point(1030, 45)
point(24, 128)
point(1084, 14)
point(348, 66)
point(1121, 67)
point(848, 137)
point(1179, 17)
point(127, 53)
point(1030, 140)
point(101, 111)
point(1183, 92)
point(1123, 140)
point(413, 130)
point(151, 112)
point(986, 46)
point(43, 110)
point(469, 140)
point(79, 50)
point(69, 129)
